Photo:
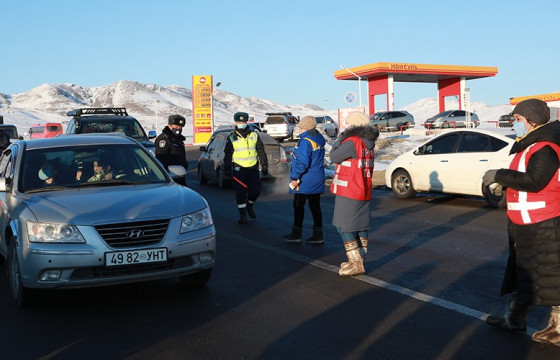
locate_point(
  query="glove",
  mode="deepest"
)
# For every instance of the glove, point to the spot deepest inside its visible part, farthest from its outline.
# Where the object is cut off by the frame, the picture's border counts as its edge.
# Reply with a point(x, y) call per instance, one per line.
point(264, 170)
point(489, 177)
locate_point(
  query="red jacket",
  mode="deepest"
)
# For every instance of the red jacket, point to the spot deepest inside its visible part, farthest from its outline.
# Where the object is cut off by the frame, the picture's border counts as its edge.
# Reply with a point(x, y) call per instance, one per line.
point(352, 178)
point(525, 208)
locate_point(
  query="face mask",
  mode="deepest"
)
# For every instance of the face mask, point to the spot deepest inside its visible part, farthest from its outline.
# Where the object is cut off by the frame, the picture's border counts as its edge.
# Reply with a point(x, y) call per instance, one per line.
point(519, 128)
point(241, 126)
point(177, 131)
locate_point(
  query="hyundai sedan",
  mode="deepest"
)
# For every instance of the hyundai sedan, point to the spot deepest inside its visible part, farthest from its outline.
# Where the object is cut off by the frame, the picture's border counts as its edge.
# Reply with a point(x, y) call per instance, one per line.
point(92, 210)
point(453, 163)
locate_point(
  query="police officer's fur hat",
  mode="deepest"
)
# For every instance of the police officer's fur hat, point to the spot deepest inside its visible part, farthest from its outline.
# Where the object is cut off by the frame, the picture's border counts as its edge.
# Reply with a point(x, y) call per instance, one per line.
point(176, 120)
point(241, 117)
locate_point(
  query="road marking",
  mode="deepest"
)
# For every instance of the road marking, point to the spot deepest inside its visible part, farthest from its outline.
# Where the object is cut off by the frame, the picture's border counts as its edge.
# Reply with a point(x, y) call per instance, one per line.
point(376, 282)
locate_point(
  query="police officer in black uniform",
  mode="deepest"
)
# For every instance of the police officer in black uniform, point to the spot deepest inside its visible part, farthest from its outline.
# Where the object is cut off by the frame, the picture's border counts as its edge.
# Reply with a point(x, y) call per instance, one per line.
point(170, 145)
point(243, 152)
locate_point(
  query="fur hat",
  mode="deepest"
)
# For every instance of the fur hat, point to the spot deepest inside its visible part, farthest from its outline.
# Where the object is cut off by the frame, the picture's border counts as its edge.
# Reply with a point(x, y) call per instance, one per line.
point(357, 118)
point(176, 120)
point(240, 117)
point(534, 110)
point(307, 123)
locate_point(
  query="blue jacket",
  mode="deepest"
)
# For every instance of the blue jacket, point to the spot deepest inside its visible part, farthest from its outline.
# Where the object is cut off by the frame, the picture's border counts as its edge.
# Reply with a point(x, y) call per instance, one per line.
point(308, 163)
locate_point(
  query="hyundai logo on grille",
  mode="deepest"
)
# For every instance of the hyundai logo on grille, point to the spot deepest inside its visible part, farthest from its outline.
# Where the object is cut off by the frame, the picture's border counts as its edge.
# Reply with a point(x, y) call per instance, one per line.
point(135, 234)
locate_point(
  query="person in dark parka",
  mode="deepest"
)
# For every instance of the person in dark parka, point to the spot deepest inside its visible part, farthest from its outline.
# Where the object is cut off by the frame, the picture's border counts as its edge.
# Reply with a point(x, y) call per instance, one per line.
point(170, 145)
point(307, 180)
point(532, 275)
point(353, 154)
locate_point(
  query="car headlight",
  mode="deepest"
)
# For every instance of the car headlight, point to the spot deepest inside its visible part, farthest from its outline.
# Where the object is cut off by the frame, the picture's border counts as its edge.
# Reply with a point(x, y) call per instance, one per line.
point(54, 233)
point(197, 220)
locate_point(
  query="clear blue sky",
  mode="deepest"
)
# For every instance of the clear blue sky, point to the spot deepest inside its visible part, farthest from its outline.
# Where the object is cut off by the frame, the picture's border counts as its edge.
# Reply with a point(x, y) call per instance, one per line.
point(285, 51)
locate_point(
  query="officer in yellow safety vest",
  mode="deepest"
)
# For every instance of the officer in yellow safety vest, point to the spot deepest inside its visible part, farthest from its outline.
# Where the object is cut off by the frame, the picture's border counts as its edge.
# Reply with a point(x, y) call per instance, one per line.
point(244, 152)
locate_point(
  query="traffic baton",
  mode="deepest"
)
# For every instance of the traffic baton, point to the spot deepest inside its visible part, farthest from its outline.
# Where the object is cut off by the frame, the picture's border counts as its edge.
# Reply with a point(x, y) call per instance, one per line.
point(240, 182)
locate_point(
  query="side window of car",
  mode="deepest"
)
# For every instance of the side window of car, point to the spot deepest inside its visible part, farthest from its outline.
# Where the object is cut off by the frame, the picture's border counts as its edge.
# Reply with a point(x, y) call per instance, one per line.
point(70, 129)
point(6, 164)
point(473, 143)
point(497, 144)
point(442, 145)
point(460, 113)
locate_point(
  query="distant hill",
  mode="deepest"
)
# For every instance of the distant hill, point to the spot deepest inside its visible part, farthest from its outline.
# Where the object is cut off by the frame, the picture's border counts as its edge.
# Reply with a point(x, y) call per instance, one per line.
point(151, 104)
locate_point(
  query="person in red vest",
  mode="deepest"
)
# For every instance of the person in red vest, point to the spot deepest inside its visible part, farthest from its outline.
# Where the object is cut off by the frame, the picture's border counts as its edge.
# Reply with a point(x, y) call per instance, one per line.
point(532, 275)
point(353, 155)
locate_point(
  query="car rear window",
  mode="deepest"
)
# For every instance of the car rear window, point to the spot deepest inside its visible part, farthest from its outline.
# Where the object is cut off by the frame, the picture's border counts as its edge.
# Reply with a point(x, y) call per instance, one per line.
point(275, 120)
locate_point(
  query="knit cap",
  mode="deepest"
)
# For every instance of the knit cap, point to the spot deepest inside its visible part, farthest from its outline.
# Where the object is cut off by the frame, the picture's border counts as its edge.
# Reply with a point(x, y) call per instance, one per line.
point(241, 117)
point(307, 123)
point(534, 110)
point(357, 118)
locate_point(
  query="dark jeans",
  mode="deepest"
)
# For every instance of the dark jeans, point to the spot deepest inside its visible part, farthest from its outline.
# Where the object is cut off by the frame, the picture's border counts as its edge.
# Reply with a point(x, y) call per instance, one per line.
point(314, 206)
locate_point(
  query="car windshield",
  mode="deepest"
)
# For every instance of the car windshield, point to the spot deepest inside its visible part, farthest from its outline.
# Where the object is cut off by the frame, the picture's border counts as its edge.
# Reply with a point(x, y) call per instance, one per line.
point(128, 127)
point(275, 120)
point(375, 116)
point(57, 168)
point(320, 119)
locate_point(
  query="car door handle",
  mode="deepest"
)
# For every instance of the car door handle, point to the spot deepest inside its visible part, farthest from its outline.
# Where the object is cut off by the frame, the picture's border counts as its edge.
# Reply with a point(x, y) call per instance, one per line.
point(444, 160)
point(483, 160)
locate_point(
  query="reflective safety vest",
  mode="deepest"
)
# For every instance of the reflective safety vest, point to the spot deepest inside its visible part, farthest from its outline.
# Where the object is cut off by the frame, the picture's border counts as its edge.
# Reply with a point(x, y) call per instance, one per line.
point(245, 149)
point(525, 208)
point(352, 177)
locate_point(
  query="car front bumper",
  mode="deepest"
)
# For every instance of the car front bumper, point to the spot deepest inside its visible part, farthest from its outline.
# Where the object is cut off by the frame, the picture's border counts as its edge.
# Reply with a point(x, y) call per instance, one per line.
point(83, 265)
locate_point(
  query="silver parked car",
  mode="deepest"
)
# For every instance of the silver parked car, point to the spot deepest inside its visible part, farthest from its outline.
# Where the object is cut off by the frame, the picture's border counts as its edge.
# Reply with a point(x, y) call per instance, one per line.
point(91, 210)
point(451, 119)
point(392, 120)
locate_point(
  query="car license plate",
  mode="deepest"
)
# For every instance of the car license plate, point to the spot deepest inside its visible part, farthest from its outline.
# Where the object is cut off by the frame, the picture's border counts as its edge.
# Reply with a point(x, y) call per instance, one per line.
point(135, 257)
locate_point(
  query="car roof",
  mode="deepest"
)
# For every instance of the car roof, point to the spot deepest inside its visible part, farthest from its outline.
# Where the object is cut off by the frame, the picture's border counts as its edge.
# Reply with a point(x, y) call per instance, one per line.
point(77, 139)
point(265, 138)
point(501, 133)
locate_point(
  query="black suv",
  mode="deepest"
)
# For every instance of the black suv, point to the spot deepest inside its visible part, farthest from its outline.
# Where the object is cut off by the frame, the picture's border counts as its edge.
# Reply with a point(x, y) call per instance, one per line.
point(506, 121)
point(108, 120)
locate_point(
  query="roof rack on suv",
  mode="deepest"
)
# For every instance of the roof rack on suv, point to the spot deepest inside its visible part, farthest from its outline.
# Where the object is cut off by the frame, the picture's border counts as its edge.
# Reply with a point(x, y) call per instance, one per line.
point(279, 113)
point(97, 111)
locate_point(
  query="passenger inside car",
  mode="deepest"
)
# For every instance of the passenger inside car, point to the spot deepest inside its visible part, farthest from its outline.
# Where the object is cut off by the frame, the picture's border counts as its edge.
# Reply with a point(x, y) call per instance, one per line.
point(47, 173)
point(101, 171)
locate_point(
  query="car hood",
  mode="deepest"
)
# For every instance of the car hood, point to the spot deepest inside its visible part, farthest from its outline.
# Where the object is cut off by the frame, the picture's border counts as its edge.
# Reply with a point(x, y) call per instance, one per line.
point(91, 206)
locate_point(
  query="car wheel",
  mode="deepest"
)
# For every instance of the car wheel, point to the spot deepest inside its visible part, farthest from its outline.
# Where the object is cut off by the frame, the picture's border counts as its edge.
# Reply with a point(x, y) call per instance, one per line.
point(198, 279)
point(401, 184)
point(201, 178)
point(21, 296)
point(496, 198)
point(222, 182)
point(445, 125)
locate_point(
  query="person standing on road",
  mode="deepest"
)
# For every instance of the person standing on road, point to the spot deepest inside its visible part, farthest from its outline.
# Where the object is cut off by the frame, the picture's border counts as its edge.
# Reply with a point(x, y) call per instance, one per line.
point(243, 152)
point(308, 180)
point(170, 145)
point(353, 155)
point(532, 275)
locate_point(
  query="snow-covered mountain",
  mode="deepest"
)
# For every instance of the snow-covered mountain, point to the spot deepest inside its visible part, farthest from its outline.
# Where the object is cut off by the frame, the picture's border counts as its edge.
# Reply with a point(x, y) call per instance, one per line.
point(151, 104)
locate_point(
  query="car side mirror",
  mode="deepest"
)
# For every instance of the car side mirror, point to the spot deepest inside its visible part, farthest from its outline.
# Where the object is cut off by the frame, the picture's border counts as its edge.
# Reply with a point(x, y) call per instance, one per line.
point(419, 151)
point(202, 148)
point(177, 171)
point(152, 134)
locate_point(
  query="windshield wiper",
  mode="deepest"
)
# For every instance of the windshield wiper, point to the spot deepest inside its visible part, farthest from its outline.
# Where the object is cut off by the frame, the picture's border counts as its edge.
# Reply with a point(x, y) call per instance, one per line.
point(50, 188)
point(111, 183)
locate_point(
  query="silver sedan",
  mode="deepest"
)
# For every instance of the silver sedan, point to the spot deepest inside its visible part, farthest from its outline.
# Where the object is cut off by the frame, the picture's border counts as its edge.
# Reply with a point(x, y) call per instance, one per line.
point(91, 210)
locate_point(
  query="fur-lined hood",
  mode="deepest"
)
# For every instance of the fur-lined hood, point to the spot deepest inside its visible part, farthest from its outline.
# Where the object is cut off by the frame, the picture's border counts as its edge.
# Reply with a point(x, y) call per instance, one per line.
point(367, 133)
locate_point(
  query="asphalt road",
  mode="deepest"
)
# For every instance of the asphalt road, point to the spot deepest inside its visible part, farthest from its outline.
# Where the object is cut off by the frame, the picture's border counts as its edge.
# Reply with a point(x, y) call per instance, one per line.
point(433, 275)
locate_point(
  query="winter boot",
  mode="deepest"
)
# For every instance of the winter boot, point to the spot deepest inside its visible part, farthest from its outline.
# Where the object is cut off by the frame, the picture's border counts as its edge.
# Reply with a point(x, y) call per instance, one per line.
point(242, 216)
point(317, 237)
point(364, 242)
point(514, 318)
point(355, 264)
point(250, 209)
point(550, 334)
point(295, 235)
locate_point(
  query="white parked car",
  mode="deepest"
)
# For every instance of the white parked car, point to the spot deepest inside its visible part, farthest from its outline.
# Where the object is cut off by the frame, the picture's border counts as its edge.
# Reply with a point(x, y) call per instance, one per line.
point(453, 163)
